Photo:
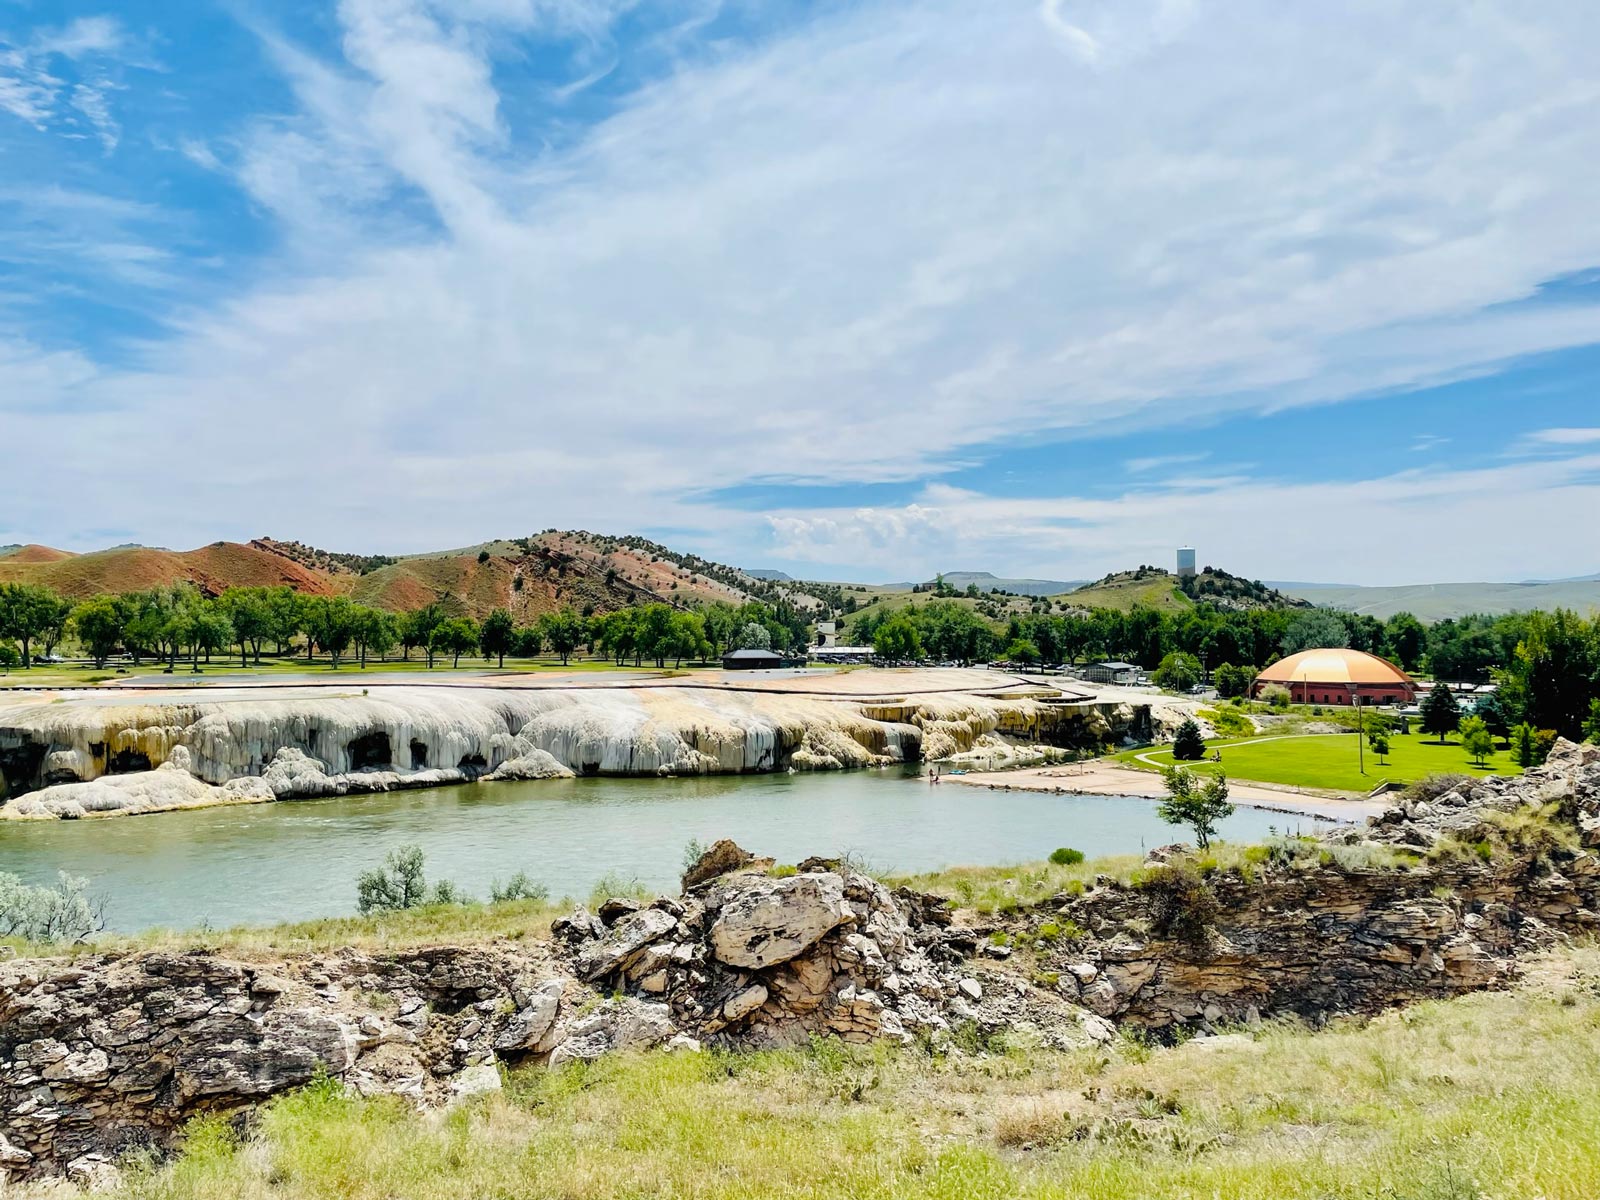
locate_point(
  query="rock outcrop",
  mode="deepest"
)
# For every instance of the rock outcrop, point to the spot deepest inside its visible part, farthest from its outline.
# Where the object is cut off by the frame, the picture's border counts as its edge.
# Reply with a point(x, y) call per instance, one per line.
point(104, 1053)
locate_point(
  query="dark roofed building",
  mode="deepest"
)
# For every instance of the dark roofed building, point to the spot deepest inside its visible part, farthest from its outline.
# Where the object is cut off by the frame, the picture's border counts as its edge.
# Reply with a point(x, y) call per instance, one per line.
point(751, 660)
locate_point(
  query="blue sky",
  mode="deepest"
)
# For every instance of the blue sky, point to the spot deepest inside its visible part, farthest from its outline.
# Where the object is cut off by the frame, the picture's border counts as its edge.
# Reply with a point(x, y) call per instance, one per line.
point(867, 289)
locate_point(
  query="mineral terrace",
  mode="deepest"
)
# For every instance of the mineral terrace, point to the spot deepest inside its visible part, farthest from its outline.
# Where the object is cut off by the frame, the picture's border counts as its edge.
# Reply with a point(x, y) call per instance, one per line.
point(126, 750)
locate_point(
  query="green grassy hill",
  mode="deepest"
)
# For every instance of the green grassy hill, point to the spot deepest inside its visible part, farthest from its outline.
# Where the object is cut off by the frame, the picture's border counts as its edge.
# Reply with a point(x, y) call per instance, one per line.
point(1436, 601)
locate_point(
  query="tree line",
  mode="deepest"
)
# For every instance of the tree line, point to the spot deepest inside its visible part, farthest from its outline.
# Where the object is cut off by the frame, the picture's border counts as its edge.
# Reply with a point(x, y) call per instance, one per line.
point(180, 622)
point(1547, 664)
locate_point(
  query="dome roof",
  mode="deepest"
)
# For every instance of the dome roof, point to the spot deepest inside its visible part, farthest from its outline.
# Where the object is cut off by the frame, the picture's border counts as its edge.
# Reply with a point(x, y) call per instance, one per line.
point(1334, 667)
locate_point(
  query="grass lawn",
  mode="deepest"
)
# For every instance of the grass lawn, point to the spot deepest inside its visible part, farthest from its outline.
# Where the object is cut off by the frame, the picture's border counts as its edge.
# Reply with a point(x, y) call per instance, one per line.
point(1328, 761)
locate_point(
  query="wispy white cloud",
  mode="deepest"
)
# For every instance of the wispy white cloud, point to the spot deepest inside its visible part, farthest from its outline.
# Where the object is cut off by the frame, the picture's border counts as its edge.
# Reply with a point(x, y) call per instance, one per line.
point(32, 88)
point(1389, 529)
point(1579, 436)
point(82, 37)
point(852, 253)
point(1156, 462)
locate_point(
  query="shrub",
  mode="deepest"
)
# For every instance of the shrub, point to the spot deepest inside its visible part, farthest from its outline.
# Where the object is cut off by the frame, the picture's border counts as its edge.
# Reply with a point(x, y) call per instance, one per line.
point(400, 884)
point(64, 912)
point(520, 886)
point(1181, 905)
point(8, 656)
point(1188, 745)
point(1430, 787)
point(1228, 722)
point(1066, 856)
point(1276, 695)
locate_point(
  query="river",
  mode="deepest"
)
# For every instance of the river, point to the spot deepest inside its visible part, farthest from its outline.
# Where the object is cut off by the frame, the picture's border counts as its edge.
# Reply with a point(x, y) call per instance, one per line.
point(265, 863)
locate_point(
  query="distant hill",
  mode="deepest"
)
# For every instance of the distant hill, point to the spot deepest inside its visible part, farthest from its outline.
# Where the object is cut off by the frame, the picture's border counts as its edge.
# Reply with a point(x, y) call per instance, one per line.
point(769, 574)
point(529, 576)
point(1153, 587)
point(134, 568)
point(987, 582)
point(1436, 601)
point(34, 554)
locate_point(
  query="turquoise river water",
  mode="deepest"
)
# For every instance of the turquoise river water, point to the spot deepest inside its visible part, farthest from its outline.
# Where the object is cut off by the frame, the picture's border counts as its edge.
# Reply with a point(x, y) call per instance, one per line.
point(264, 863)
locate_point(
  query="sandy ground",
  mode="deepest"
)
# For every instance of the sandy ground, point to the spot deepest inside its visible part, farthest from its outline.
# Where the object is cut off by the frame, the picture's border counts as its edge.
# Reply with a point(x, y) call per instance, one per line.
point(1108, 779)
point(865, 684)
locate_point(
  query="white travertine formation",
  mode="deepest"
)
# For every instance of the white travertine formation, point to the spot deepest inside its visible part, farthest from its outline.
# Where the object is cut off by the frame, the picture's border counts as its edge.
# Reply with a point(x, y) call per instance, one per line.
point(96, 754)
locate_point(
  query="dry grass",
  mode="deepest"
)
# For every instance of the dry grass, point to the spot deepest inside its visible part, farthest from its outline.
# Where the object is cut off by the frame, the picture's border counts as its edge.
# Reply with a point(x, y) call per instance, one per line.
point(458, 924)
point(1492, 1095)
point(1005, 889)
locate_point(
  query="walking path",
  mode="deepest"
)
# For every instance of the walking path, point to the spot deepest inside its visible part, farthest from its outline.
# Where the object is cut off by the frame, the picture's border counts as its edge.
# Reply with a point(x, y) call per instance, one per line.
point(1103, 778)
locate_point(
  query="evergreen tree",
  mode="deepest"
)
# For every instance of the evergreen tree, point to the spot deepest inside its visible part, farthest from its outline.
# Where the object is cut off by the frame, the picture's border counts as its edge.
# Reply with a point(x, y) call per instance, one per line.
point(1188, 745)
point(1440, 712)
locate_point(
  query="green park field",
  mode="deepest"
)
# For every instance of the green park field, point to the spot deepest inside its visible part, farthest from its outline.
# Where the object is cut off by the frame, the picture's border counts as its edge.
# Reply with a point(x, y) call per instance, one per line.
point(1328, 761)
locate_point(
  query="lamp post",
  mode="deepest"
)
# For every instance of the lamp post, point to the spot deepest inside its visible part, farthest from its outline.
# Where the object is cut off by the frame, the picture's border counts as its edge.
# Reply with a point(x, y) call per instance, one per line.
point(1361, 732)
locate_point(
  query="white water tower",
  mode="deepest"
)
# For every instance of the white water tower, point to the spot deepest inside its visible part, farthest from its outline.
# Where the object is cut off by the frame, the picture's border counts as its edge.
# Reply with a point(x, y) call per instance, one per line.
point(1185, 562)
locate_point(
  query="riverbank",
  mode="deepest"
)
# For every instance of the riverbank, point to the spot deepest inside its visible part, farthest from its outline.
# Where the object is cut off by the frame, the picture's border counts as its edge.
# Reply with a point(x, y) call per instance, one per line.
point(1103, 777)
point(130, 749)
point(298, 861)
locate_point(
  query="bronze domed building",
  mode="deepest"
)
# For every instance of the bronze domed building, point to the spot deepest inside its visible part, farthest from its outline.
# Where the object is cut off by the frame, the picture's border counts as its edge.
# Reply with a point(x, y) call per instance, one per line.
point(1338, 677)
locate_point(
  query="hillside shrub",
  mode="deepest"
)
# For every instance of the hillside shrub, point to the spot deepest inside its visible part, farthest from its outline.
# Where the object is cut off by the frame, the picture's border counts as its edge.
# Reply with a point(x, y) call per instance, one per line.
point(1181, 905)
point(400, 883)
point(1066, 856)
point(520, 886)
point(62, 912)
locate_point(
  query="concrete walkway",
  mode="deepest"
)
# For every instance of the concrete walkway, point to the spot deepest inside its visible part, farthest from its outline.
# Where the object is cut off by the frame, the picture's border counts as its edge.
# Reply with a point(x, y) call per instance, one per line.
point(1102, 778)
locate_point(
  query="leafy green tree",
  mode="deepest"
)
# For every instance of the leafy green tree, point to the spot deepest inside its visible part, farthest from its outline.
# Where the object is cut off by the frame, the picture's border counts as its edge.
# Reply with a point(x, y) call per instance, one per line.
point(898, 639)
point(100, 624)
point(497, 635)
point(29, 612)
point(417, 629)
point(1405, 640)
point(687, 637)
point(752, 636)
point(1188, 744)
point(721, 622)
point(1476, 739)
point(454, 637)
point(285, 616)
point(1530, 746)
point(1440, 713)
point(1553, 673)
point(655, 633)
point(564, 631)
point(1378, 739)
point(10, 656)
point(1201, 805)
point(208, 630)
point(1178, 672)
point(331, 621)
point(376, 632)
point(1591, 723)
point(528, 642)
point(250, 613)
point(1023, 651)
point(1315, 629)
point(1493, 711)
